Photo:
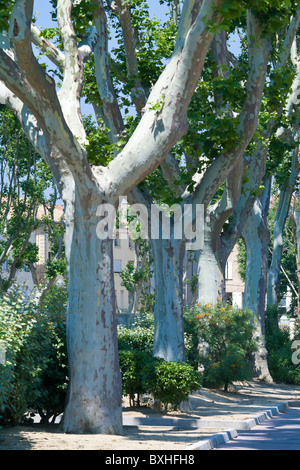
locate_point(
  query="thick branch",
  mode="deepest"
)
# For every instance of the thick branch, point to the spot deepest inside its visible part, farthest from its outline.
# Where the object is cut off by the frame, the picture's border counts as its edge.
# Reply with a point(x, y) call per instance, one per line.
point(70, 92)
point(20, 36)
point(138, 93)
point(40, 139)
point(111, 111)
point(170, 171)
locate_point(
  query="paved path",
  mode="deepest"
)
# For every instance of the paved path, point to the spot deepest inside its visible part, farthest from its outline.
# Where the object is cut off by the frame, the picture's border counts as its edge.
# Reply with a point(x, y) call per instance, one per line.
point(282, 432)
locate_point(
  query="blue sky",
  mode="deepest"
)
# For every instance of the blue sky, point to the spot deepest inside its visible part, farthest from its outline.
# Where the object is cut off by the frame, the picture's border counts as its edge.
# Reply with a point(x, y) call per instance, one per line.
point(42, 9)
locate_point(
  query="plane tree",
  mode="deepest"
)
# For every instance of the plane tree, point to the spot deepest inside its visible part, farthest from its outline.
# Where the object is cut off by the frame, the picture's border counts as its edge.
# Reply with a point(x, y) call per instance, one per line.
point(169, 251)
point(50, 114)
point(221, 125)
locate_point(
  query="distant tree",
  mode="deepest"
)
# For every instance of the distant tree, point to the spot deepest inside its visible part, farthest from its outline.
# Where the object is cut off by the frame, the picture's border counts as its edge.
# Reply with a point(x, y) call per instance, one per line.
point(26, 185)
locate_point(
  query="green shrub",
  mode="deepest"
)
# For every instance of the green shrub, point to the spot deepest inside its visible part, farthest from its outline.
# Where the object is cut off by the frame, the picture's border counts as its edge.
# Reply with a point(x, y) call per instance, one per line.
point(139, 338)
point(191, 336)
point(227, 334)
point(31, 337)
point(279, 346)
point(54, 379)
point(133, 365)
point(171, 382)
point(25, 337)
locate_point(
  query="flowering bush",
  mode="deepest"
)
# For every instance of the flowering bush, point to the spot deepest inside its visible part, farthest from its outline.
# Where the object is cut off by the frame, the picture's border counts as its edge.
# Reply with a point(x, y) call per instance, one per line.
point(226, 339)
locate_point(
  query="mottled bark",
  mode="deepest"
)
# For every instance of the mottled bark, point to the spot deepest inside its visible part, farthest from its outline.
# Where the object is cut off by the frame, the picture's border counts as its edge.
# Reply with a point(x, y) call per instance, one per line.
point(94, 396)
point(210, 272)
point(296, 220)
point(256, 236)
point(168, 310)
point(281, 215)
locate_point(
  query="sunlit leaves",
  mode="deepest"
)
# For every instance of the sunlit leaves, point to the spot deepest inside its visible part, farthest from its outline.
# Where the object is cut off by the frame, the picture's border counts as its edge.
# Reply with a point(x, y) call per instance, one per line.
point(5, 11)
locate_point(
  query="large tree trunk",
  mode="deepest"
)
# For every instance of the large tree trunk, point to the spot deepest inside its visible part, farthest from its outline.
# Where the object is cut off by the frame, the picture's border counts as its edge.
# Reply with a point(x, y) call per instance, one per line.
point(256, 237)
point(211, 264)
point(94, 397)
point(210, 273)
point(168, 310)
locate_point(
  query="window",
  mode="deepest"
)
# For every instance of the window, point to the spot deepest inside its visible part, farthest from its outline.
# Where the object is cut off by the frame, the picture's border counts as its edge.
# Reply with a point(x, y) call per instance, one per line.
point(228, 271)
point(117, 241)
point(117, 265)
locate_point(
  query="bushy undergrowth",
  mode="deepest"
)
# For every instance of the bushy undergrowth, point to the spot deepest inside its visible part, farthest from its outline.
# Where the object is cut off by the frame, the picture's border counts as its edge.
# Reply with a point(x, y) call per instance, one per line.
point(34, 372)
point(226, 341)
point(280, 350)
point(169, 382)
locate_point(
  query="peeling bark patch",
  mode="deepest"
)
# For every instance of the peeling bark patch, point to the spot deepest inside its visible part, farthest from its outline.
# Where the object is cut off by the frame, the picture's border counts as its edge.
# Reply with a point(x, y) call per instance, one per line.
point(103, 318)
point(16, 28)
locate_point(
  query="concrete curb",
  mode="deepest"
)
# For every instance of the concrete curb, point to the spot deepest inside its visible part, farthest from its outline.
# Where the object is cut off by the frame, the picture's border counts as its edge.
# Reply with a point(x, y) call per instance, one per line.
point(224, 436)
point(214, 441)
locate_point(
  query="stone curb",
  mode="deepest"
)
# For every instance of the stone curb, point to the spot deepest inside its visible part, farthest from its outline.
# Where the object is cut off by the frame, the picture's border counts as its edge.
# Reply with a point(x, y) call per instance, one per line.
point(224, 436)
point(205, 423)
point(214, 441)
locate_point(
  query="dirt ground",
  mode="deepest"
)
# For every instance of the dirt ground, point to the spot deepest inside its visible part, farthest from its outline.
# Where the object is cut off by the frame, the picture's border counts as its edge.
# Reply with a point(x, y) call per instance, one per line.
point(244, 401)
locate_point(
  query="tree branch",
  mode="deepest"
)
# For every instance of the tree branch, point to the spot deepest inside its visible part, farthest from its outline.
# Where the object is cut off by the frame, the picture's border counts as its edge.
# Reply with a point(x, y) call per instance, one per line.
point(46, 46)
point(138, 93)
point(111, 111)
point(70, 92)
point(165, 118)
point(259, 52)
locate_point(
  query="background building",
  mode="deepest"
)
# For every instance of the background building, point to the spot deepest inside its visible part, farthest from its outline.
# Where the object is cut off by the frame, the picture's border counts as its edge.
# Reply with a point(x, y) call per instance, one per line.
point(124, 253)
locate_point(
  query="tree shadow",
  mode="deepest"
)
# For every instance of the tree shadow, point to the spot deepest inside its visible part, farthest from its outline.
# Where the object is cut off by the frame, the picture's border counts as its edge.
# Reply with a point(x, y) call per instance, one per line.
point(23, 437)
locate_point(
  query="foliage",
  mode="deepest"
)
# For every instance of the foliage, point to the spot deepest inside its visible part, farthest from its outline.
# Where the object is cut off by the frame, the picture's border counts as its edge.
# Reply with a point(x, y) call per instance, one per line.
point(226, 335)
point(139, 338)
point(132, 365)
point(24, 182)
point(279, 346)
point(191, 335)
point(31, 375)
point(54, 379)
point(241, 259)
point(171, 382)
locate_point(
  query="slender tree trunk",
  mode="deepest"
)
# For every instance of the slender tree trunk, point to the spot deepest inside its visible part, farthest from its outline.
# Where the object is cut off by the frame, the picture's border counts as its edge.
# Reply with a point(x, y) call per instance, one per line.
point(274, 269)
point(283, 208)
point(168, 309)
point(297, 230)
point(94, 397)
point(256, 237)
